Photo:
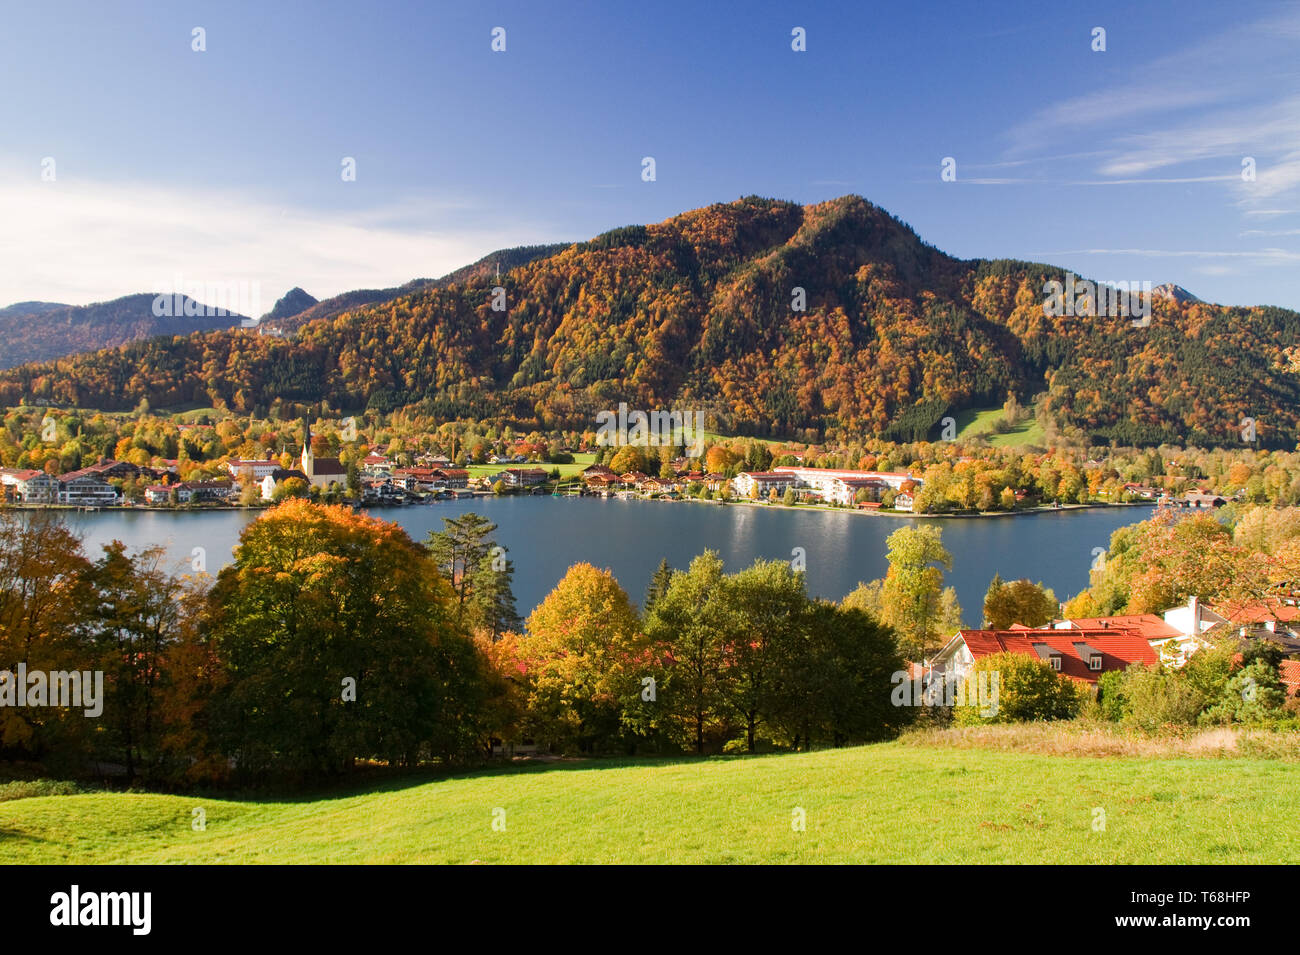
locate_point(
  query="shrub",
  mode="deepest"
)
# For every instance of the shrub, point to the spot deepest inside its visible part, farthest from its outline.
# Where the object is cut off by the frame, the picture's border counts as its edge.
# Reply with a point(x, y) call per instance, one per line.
point(1154, 698)
point(1023, 690)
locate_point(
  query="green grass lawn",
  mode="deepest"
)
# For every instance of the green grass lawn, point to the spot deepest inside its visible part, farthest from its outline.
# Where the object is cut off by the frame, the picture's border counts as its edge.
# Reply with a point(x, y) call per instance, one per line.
point(972, 421)
point(884, 803)
point(580, 461)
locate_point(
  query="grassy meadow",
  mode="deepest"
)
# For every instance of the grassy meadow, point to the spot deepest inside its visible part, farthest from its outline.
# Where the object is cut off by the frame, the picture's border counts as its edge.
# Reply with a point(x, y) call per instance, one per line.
point(972, 421)
point(917, 801)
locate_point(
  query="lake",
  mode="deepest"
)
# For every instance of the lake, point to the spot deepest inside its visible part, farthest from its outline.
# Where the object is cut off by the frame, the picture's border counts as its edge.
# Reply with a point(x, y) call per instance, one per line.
point(545, 535)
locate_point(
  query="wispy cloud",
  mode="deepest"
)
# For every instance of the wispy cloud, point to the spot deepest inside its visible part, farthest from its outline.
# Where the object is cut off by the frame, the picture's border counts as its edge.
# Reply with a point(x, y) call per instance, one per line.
point(76, 241)
point(1260, 256)
point(1207, 106)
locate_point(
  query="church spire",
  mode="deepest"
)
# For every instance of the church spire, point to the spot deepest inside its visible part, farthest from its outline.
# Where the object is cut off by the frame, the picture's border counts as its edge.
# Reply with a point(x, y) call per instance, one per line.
point(306, 463)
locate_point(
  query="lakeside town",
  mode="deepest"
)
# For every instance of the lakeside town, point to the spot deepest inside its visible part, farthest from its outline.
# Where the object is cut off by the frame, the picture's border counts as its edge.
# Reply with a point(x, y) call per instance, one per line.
point(371, 478)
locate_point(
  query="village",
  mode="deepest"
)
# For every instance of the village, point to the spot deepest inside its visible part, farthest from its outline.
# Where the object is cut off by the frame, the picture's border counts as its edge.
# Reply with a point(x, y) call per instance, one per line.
point(379, 480)
point(1084, 649)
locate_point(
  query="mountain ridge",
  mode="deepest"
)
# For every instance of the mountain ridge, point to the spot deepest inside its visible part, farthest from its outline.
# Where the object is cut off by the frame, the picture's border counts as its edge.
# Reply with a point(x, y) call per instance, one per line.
point(887, 336)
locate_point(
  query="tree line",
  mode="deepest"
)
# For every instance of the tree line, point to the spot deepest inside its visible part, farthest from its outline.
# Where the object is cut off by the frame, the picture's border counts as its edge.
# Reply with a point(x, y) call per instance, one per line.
point(335, 641)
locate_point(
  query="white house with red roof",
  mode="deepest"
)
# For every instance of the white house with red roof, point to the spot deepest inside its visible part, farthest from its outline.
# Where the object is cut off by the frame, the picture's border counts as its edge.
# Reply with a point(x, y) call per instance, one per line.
point(1080, 654)
point(29, 486)
point(1172, 645)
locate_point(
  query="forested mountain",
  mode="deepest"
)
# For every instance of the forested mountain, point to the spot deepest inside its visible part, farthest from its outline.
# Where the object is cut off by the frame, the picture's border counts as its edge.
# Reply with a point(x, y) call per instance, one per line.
point(701, 311)
point(293, 302)
point(40, 331)
point(347, 301)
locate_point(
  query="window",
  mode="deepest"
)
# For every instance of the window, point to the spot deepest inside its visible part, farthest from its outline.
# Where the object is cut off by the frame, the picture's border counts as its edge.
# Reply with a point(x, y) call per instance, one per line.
point(1094, 662)
point(1056, 661)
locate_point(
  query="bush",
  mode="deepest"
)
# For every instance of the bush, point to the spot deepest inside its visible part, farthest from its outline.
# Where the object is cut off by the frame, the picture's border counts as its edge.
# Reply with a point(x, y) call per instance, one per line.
point(1253, 695)
point(1154, 698)
point(1110, 696)
point(28, 788)
point(1017, 689)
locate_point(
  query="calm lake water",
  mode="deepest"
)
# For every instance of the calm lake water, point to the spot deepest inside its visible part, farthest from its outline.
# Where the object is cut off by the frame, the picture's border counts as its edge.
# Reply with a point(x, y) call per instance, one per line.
point(545, 535)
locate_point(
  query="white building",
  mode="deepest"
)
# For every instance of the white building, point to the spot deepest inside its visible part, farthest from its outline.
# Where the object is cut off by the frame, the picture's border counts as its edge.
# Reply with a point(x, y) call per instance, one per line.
point(256, 470)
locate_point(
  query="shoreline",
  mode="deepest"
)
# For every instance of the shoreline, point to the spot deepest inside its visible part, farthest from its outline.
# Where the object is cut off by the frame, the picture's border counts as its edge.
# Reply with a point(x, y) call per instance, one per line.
point(818, 508)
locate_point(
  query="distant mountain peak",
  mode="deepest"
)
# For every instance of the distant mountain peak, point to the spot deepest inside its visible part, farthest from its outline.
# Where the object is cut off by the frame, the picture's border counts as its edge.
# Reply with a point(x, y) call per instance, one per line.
point(291, 303)
point(1176, 292)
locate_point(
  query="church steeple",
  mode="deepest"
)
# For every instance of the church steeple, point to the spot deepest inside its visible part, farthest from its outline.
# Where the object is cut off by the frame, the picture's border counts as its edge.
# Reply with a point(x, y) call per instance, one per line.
point(306, 463)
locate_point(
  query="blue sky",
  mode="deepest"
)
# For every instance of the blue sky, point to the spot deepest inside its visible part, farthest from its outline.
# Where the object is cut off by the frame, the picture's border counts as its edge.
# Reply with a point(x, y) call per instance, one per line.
point(224, 165)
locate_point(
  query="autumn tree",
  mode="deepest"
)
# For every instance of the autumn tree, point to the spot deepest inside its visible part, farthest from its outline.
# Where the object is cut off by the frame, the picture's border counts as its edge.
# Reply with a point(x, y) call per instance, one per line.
point(338, 635)
point(912, 596)
point(43, 595)
point(770, 603)
point(586, 658)
point(132, 623)
point(693, 622)
point(1022, 602)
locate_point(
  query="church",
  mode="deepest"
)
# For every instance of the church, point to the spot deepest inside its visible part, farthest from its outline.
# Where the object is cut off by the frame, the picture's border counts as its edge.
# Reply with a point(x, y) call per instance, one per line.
point(321, 472)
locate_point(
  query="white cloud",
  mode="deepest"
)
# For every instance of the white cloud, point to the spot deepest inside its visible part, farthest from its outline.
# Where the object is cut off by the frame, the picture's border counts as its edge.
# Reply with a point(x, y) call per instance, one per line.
point(78, 242)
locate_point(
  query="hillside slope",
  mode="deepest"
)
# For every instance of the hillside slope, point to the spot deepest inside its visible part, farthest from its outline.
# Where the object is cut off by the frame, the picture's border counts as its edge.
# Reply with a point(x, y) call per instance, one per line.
point(701, 311)
point(882, 803)
point(40, 331)
point(506, 259)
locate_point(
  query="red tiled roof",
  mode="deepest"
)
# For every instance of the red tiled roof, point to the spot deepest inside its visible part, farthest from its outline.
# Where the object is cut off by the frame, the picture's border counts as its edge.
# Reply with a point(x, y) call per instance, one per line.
point(1271, 609)
point(1151, 626)
point(1117, 648)
point(1289, 671)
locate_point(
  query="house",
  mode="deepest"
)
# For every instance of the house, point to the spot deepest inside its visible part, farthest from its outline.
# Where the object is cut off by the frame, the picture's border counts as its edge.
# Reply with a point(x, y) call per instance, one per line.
point(415, 479)
point(1172, 645)
point(1202, 499)
point(452, 477)
point(278, 475)
point(1289, 673)
point(710, 480)
point(28, 486)
point(162, 493)
point(218, 490)
point(903, 501)
point(376, 462)
point(1142, 491)
point(1082, 655)
point(823, 479)
point(86, 487)
point(1193, 619)
point(762, 483)
point(1274, 619)
point(383, 491)
point(524, 477)
point(1272, 614)
point(241, 468)
point(113, 469)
